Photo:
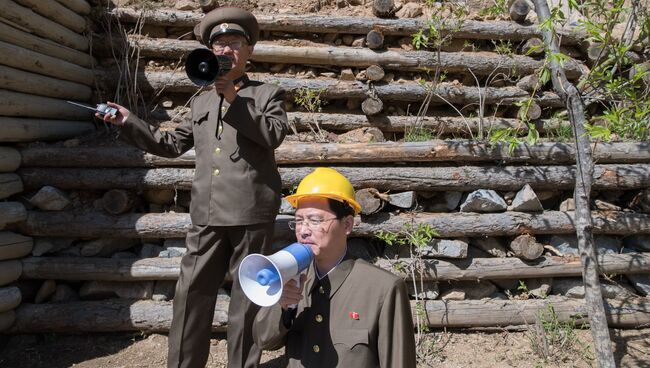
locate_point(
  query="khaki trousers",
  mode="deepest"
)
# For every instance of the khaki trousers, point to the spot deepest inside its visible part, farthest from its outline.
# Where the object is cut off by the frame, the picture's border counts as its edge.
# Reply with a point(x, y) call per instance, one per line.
point(211, 252)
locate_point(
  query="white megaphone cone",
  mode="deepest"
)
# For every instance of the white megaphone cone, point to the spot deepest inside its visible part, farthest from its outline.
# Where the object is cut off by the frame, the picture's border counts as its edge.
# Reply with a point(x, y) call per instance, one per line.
point(262, 277)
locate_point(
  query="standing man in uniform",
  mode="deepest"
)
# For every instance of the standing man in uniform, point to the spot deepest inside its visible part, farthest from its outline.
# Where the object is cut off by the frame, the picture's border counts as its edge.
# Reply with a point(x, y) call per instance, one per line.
point(235, 193)
point(349, 313)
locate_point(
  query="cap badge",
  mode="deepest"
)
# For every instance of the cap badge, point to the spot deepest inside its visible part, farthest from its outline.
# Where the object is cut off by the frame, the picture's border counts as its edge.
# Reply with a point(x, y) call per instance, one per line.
point(223, 26)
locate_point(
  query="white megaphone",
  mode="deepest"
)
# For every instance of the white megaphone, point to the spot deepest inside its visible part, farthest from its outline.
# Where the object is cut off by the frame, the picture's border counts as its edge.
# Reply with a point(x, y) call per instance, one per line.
point(263, 277)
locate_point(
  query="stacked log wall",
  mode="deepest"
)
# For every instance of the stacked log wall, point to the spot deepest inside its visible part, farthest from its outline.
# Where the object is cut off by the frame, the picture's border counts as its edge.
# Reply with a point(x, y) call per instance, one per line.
point(44, 61)
point(107, 259)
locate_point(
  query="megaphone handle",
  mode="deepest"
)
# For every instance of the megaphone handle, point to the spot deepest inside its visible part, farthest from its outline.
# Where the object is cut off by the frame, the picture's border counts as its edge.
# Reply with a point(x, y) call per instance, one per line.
point(297, 280)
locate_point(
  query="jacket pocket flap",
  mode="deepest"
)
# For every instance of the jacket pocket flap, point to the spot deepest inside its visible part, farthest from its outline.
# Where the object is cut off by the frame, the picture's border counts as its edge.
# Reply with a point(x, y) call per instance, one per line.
point(350, 337)
point(199, 116)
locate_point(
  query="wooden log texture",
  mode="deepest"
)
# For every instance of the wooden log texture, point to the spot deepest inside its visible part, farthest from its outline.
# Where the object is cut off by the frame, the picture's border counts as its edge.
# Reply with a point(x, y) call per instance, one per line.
point(44, 46)
point(9, 159)
point(150, 316)
point(330, 153)
point(467, 29)
point(439, 124)
point(372, 106)
point(28, 130)
point(104, 316)
point(333, 89)
point(117, 201)
point(452, 62)
point(10, 184)
point(32, 106)
point(32, 61)
point(10, 298)
point(79, 6)
point(147, 269)
point(375, 39)
point(464, 178)
point(42, 26)
point(11, 212)
point(383, 8)
point(37, 84)
point(55, 11)
point(519, 9)
point(175, 225)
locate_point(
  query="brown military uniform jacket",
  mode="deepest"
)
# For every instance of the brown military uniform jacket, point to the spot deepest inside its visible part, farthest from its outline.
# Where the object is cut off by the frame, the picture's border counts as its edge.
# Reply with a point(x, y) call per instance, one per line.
point(357, 316)
point(236, 180)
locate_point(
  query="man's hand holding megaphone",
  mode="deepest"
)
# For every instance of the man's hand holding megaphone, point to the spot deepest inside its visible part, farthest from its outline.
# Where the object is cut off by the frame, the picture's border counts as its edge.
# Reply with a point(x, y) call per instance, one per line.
point(292, 293)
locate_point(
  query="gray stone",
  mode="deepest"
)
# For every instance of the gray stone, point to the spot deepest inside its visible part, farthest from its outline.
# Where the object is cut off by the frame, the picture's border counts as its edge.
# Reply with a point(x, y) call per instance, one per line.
point(64, 293)
point(94, 290)
point(347, 74)
point(568, 205)
point(172, 252)
point(601, 205)
point(452, 199)
point(526, 247)
point(641, 282)
point(637, 241)
point(453, 294)
point(164, 290)
point(402, 200)
point(50, 199)
point(539, 288)
point(429, 291)
point(361, 248)
point(47, 289)
point(568, 244)
point(445, 248)
point(526, 201)
point(409, 10)
point(490, 245)
point(50, 245)
point(483, 200)
point(573, 288)
point(150, 250)
point(105, 247)
point(359, 42)
point(186, 5)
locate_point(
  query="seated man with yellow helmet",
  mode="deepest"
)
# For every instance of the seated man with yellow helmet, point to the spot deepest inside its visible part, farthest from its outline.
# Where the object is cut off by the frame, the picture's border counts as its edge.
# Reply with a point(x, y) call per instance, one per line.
point(349, 313)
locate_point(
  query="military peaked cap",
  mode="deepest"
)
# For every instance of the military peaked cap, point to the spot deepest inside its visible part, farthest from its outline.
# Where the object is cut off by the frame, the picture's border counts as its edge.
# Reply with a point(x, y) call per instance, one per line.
point(228, 20)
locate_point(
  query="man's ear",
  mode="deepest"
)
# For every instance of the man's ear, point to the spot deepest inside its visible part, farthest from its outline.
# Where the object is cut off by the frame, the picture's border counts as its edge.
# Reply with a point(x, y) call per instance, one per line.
point(348, 222)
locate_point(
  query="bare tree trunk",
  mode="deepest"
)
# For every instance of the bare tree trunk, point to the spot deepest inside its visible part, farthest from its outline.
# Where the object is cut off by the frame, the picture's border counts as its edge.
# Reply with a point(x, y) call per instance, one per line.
point(584, 174)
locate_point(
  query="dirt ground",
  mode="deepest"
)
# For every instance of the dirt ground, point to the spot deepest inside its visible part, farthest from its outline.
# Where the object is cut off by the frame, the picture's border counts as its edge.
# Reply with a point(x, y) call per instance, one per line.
point(451, 349)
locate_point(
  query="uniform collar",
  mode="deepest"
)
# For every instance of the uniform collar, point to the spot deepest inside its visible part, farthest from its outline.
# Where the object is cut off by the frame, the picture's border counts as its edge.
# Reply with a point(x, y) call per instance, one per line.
point(334, 279)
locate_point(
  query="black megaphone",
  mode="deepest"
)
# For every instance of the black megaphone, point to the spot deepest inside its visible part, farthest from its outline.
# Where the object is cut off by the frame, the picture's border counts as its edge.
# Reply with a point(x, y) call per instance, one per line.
point(203, 67)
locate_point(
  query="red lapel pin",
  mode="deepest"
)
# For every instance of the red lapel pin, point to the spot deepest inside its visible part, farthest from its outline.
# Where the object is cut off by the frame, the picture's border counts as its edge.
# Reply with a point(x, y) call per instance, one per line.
point(354, 315)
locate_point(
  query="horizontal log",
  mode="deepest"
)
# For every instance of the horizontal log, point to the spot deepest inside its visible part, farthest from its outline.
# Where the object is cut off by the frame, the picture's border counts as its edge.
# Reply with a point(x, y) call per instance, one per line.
point(107, 269)
point(610, 176)
point(104, 316)
point(14, 246)
point(11, 212)
point(9, 159)
point(444, 125)
point(32, 61)
point(339, 153)
point(10, 298)
point(7, 320)
point(44, 46)
point(333, 89)
point(483, 63)
point(10, 184)
point(79, 6)
point(37, 84)
point(150, 316)
point(467, 29)
point(28, 130)
point(175, 225)
point(53, 10)
point(42, 26)
point(32, 106)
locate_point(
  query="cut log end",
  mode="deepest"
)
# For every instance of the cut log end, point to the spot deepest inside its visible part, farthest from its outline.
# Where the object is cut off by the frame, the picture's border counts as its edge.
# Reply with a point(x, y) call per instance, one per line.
point(372, 106)
point(369, 201)
point(375, 39)
point(383, 8)
point(519, 9)
point(117, 201)
point(375, 73)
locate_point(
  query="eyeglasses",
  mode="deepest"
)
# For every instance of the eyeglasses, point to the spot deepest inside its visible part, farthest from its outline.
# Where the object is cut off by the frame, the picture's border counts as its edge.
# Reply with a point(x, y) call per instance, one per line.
point(312, 223)
point(220, 46)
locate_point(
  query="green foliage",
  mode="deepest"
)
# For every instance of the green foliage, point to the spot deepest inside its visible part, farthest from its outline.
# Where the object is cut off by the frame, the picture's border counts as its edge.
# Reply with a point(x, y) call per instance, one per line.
point(417, 134)
point(499, 8)
point(557, 341)
point(410, 235)
point(309, 99)
point(504, 48)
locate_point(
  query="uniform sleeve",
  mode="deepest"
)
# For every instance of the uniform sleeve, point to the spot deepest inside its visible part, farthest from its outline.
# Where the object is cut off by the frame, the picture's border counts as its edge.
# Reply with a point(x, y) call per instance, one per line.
point(265, 123)
point(139, 133)
point(269, 329)
point(396, 341)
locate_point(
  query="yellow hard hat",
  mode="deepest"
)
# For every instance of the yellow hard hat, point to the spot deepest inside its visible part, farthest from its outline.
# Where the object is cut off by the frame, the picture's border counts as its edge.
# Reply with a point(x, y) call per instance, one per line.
point(327, 183)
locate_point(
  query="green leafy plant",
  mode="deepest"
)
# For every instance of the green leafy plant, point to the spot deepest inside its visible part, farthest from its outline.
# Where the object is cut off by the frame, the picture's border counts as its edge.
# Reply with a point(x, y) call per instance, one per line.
point(310, 100)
